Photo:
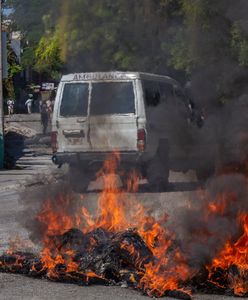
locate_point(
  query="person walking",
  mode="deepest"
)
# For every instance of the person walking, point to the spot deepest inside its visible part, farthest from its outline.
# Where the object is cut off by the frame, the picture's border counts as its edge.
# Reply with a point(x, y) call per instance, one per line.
point(49, 108)
point(44, 117)
point(29, 103)
point(10, 104)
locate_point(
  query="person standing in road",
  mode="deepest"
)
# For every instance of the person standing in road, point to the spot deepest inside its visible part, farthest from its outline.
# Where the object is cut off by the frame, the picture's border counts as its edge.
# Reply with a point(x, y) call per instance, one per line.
point(29, 103)
point(10, 104)
point(40, 105)
point(44, 117)
point(49, 108)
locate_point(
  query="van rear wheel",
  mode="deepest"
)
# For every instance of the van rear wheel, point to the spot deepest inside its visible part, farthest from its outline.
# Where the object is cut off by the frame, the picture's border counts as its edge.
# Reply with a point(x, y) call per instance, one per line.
point(157, 175)
point(78, 179)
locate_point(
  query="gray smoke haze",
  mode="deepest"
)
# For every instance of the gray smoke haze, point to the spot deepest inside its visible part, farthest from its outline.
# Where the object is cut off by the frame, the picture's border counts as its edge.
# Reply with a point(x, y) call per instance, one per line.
point(221, 89)
point(220, 86)
point(237, 12)
point(59, 190)
point(33, 201)
point(204, 234)
point(200, 233)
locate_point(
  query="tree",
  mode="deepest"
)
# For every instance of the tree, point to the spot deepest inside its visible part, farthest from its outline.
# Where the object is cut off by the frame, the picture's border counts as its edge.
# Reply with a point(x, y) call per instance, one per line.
point(203, 40)
point(47, 56)
point(35, 19)
point(13, 69)
point(212, 47)
point(122, 34)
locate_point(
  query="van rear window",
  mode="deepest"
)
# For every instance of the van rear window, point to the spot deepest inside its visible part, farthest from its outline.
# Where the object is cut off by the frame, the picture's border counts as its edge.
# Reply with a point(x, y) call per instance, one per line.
point(112, 98)
point(75, 100)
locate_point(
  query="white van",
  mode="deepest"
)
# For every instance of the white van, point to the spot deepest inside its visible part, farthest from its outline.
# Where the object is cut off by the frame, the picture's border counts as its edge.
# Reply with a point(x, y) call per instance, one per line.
point(143, 116)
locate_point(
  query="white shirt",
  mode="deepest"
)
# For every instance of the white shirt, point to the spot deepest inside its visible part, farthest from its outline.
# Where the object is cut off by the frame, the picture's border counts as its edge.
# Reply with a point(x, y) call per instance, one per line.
point(29, 102)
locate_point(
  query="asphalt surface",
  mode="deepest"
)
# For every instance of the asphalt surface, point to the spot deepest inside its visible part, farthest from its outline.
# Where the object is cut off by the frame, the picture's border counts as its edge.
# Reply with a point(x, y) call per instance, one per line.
point(20, 287)
point(34, 168)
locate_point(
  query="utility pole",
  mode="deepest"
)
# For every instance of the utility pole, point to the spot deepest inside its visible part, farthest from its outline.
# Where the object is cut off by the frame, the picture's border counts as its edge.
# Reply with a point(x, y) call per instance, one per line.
point(1, 95)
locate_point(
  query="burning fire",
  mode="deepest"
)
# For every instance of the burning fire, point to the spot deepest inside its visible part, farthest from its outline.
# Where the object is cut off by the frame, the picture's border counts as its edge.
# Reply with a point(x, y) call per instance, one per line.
point(232, 262)
point(117, 212)
point(121, 241)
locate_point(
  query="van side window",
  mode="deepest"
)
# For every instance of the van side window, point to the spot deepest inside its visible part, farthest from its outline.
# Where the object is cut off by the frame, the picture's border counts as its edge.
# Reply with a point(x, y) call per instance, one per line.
point(166, 91)
point(180, 95)
point(75, 100)
point(151, 93)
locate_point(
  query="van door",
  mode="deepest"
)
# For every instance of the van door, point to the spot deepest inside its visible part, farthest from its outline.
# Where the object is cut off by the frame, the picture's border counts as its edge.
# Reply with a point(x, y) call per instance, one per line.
point(113, 121)
point(73, 121)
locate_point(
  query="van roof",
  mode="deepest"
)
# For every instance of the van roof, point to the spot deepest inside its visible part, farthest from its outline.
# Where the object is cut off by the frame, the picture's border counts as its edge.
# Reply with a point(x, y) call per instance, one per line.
point(116, 75)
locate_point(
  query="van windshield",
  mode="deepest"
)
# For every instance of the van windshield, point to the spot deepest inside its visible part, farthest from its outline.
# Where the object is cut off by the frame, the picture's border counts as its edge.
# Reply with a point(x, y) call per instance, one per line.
point(75, 100)
point(112, 98)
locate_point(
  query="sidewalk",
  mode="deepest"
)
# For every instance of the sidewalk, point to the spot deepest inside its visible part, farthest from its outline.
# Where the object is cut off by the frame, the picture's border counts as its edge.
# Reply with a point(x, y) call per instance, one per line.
point(28, 153)
point(29, 171)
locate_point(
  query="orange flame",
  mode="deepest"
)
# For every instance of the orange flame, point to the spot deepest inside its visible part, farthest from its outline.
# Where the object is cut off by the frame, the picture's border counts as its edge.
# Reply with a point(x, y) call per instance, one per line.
point(117, 211)
point(234, 254)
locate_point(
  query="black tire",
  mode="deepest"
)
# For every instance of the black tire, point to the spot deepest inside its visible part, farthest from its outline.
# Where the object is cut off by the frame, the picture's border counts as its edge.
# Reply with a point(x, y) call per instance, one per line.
point(78, 179)
point(157, 172)
point(157, 176)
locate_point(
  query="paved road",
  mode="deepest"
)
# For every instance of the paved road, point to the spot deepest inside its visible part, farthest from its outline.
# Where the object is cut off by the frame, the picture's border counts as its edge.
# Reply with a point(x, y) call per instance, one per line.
point(20, 287)
point(16, 287)
point(32, 168)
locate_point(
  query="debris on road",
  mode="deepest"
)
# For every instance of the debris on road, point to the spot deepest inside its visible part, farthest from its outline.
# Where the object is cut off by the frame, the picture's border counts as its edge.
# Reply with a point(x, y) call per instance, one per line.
point(21, 130)
point(122, 244)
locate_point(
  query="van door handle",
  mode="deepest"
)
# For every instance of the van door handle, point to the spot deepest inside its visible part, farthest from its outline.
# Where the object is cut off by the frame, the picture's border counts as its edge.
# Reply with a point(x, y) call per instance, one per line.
point(73, 133)
point(81, 120)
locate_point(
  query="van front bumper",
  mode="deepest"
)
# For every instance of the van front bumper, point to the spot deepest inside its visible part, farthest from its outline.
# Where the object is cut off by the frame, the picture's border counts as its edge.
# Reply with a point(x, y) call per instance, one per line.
point(96, 158)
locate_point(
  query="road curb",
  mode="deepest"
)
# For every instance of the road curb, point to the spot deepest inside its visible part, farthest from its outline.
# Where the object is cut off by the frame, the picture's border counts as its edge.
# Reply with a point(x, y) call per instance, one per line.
point(13, 186)
point(40, 179)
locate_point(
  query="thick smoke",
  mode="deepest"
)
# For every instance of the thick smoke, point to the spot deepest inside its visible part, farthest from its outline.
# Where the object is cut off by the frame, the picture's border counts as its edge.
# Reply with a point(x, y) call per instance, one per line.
point(212, 219)
point(220, 89)
point(217, 82)
point(62, 199)
point(33, 201)
point(237, 12)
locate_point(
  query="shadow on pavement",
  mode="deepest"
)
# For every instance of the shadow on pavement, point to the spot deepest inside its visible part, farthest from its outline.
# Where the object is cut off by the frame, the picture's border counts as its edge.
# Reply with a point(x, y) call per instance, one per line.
point(172, 187)
point(13, 149)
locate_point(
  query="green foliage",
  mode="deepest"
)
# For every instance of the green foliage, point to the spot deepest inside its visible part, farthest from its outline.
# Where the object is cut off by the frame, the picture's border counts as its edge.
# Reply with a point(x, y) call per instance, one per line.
point(28, 56)
point(108, 34)
point(35, 18)
point(239, 45)
point(180, 53)
point(47, 56)
point(13, 69)
point(28, 16)
point(160, 36)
